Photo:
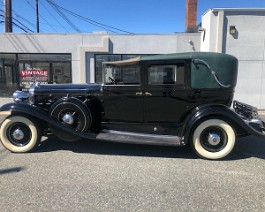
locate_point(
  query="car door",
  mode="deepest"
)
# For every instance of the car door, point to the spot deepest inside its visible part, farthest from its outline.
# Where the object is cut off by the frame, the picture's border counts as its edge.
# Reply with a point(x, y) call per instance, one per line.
point(122, 95)
point(165, 92)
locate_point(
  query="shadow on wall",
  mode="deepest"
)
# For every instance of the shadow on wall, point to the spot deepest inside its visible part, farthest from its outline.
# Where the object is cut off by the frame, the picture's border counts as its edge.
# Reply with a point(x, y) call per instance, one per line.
point(18, 43)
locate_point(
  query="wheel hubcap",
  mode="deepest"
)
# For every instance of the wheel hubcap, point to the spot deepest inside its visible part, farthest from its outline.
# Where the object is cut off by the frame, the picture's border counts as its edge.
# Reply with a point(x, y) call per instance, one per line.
point(68, 119)
point(18, 134)
point(214, 139)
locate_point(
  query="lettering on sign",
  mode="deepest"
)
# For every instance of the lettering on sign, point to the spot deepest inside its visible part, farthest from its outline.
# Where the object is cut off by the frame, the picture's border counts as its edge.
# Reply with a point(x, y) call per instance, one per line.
point(34, 72)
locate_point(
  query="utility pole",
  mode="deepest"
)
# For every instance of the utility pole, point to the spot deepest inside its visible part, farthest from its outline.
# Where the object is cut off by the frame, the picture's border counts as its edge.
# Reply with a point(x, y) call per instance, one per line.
point(37, 16)
point(8, 15)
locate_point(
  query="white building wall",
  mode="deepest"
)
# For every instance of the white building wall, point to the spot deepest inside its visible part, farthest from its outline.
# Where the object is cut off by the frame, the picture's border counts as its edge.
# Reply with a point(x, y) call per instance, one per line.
point(209, 33)
point(248, 45)
point(84, 46)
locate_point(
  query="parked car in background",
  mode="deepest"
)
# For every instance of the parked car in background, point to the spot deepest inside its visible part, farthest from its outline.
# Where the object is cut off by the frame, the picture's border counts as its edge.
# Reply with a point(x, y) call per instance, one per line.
point(174, 99)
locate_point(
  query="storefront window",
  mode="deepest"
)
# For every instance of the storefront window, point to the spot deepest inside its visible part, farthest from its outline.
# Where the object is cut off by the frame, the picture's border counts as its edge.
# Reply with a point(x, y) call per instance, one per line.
point(20, 71)
point(44, 68)
point(61, 73)
point(33, 72)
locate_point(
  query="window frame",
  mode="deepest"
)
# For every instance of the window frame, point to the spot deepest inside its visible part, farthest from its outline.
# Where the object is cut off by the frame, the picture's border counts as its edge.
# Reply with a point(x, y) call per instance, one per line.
point(169, 62)
point(138, 66)
point(121, 57)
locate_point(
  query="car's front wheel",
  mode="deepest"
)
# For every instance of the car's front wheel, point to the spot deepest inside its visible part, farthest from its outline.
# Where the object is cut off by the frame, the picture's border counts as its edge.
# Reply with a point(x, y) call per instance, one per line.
point(213, 139)
point(19, 134)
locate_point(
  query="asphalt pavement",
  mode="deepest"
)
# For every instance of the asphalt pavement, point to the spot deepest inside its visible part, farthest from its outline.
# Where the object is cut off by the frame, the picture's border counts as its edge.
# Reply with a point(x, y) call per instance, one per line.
point(101, 176)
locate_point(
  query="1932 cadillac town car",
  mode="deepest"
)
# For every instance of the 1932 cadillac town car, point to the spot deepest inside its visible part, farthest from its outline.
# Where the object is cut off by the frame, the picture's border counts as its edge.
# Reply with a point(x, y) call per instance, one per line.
point(174, 99)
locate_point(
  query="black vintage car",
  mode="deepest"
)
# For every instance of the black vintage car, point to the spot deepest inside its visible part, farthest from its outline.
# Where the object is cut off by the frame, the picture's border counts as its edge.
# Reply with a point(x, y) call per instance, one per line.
point(174, 99)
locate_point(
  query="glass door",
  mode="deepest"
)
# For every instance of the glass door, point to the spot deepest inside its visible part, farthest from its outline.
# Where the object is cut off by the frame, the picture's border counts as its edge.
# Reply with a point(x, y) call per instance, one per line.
point(8, 80)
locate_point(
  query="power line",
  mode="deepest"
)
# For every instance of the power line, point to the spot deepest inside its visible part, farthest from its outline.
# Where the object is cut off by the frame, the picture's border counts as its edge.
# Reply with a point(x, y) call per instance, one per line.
point(24, 19)
point(61, 12)
point(88, 20)
point(18, 24)
point(56, 8)
point(95, 23)
point(53, 16)
point(22, 25)
point(40, 15)
point(60, 8)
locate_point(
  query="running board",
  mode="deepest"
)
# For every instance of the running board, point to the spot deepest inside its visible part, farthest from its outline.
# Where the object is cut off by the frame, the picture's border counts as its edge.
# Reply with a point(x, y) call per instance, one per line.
point(139, 138)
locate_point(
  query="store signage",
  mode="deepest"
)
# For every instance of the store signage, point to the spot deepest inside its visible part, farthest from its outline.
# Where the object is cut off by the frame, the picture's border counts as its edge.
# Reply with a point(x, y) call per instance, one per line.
point(25, 73)
point(28, 77)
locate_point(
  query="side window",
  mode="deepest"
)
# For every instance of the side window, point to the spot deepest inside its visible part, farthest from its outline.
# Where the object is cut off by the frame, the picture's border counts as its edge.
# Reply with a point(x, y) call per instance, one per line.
point(166, 74)
point(122, 75)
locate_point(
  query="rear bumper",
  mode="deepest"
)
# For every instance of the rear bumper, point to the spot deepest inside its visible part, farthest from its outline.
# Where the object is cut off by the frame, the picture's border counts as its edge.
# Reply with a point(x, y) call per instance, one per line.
point(257, 124)
point(251, 116)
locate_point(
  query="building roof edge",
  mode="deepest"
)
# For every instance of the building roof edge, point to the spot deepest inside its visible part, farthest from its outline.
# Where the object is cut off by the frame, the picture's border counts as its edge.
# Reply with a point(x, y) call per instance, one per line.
point(235, 9)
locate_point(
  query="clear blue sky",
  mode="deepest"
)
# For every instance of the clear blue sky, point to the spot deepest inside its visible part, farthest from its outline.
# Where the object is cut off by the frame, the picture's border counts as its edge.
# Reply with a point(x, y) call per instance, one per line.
point(135, 16)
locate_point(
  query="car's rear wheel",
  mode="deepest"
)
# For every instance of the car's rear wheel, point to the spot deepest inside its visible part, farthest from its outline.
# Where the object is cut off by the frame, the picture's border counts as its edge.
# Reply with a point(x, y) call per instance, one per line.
point(19, 134)
point(213, 139)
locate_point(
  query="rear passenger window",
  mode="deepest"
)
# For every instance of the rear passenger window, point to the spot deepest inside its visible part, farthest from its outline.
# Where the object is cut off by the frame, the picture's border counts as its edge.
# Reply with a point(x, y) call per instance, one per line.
point(166, 74)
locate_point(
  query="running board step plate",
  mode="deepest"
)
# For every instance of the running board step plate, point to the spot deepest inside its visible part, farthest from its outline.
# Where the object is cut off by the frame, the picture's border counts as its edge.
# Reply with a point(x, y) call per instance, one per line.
point(138, 138)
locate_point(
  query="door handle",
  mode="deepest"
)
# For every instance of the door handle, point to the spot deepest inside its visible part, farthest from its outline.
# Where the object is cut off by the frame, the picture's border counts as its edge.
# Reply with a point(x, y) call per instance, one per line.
point(139, 93)
point(148, 94)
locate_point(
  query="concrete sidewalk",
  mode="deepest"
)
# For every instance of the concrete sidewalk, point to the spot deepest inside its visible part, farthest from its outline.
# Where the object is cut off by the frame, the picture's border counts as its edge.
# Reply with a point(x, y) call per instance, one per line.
point(4, 100)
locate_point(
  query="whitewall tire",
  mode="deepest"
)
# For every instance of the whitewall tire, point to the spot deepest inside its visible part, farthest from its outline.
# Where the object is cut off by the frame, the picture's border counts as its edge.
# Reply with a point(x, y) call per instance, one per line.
point(19, 134)
point(213, 139)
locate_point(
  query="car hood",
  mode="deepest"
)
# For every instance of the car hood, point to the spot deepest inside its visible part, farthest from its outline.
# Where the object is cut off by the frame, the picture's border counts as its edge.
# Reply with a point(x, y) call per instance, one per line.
point(65, 88)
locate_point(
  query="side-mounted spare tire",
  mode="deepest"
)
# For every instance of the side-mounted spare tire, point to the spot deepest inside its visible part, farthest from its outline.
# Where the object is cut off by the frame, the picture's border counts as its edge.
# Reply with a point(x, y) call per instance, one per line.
point(72, 113)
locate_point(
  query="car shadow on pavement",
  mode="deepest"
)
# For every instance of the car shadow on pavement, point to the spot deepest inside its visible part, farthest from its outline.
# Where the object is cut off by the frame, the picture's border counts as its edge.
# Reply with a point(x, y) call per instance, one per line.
point(112, 148)
point(248, 147)
point(245, 148)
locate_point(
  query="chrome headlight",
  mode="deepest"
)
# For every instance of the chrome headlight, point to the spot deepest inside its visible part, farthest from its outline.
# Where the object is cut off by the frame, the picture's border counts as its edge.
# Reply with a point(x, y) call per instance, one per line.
point(19, 96)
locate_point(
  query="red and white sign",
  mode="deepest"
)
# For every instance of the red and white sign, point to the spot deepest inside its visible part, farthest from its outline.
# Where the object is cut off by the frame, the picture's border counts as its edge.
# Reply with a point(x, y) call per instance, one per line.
point(25, 73)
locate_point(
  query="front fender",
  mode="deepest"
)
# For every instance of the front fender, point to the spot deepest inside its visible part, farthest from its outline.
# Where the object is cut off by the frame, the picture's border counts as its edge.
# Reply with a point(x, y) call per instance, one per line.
point(39, 115)
point(203, 112)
